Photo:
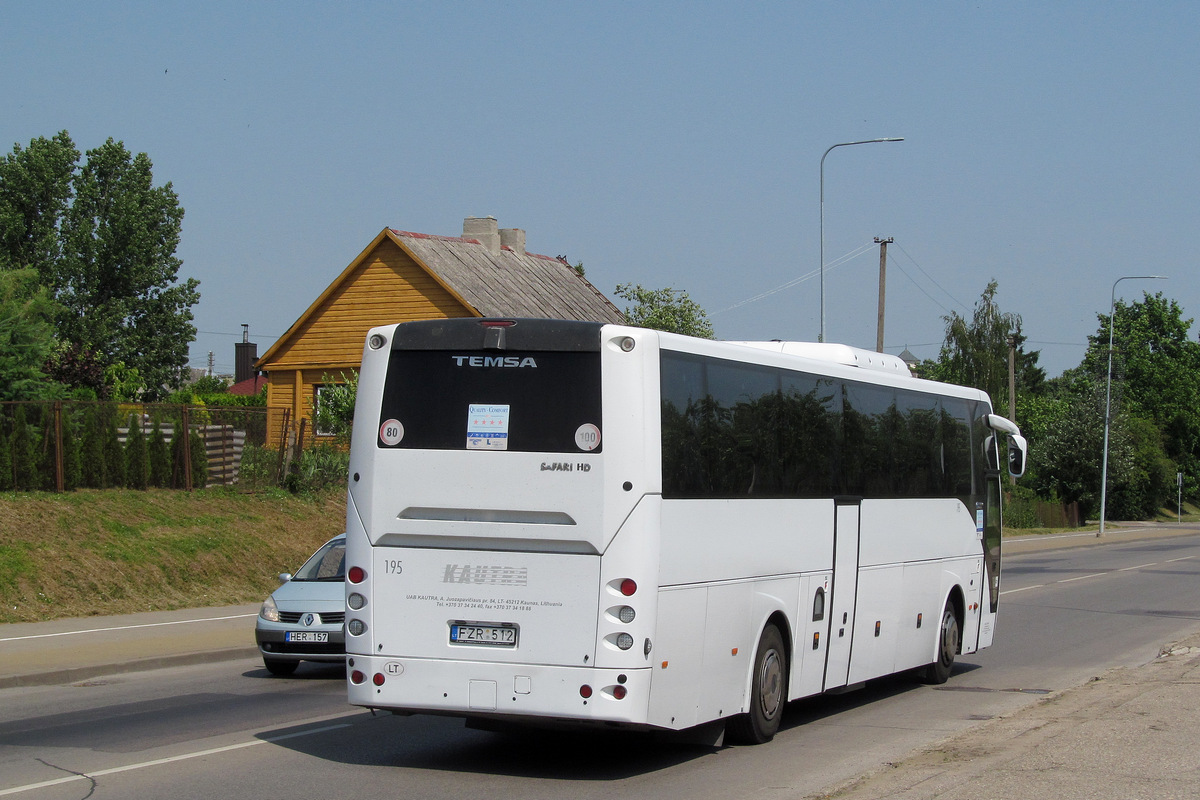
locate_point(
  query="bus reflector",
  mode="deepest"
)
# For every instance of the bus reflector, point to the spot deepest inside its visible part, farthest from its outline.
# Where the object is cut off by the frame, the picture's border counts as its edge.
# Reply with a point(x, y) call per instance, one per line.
point(378, 679)
point(585, 691)
point(628, 587)
point(357, 677)
point(356, 574)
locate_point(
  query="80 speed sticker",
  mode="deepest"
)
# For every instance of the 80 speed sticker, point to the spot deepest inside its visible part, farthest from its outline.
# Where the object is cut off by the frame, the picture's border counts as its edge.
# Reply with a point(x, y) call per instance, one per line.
point(391, 432)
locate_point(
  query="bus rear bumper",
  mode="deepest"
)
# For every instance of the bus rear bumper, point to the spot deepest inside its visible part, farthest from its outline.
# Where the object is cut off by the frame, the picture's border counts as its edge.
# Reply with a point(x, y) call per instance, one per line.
point(488, 690)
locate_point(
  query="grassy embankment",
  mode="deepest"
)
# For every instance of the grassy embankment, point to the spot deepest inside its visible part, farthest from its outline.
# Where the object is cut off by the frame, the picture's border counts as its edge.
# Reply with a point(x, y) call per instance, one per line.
point(114, 552)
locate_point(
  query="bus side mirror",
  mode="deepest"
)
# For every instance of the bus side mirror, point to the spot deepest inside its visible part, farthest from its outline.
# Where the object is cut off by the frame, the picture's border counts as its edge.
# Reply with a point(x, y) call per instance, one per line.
point(1018, 451)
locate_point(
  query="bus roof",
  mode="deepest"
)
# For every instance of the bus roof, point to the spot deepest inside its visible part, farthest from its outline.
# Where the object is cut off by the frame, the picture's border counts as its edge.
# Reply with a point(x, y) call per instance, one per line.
point(836, 353)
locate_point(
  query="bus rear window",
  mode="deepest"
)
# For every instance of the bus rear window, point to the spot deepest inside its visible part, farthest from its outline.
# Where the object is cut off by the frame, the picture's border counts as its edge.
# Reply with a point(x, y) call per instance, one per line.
point(529, 401)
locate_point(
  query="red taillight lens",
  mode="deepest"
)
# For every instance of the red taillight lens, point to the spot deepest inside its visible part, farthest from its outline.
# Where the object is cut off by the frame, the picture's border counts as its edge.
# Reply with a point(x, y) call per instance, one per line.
point(356, 575)
point(378, 679)
point(585, 691)
point(357, 677)
point(497, 323)
point(619, 692)
point(628, 587)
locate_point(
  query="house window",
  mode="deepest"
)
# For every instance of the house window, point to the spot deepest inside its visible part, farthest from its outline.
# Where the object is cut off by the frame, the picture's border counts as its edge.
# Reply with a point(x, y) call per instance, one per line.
point(333, 407)
point(318, 428)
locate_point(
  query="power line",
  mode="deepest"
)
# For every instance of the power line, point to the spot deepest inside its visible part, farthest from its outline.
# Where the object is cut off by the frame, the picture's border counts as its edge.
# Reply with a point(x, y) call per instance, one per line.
point(963, 305)
point(796, 281)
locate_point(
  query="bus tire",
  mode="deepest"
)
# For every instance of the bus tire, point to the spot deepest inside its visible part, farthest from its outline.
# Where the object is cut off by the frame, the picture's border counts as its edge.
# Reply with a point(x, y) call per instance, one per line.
point(949, 635)
point(768, 692)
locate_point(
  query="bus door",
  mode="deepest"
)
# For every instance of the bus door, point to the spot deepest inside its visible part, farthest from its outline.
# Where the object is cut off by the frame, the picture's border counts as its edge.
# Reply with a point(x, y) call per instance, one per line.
point(991, 533)
point(848, 511)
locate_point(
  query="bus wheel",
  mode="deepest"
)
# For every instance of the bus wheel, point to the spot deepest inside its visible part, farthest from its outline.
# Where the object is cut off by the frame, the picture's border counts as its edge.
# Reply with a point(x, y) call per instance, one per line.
point(768, 692)
point(948, 636)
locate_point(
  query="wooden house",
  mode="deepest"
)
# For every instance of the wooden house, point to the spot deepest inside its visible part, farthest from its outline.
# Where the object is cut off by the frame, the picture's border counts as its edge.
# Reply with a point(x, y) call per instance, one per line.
point(402, 276)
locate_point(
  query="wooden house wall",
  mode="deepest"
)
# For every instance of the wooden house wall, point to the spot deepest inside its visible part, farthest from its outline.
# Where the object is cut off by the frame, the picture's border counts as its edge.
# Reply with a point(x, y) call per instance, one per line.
point(387, 287)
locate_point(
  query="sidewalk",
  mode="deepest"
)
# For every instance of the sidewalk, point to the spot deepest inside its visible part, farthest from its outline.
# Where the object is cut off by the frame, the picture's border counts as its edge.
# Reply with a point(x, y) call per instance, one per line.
point(69, 650)
point(1131, 733)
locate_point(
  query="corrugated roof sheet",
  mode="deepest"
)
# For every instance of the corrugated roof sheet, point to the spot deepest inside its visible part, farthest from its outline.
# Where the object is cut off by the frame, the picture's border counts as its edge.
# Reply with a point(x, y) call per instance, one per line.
point(509, 283)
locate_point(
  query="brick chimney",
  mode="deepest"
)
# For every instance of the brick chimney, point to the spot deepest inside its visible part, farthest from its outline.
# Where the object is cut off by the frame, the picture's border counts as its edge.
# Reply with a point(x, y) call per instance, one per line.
point(484, 229)
point(245, 354)
point(514, 239)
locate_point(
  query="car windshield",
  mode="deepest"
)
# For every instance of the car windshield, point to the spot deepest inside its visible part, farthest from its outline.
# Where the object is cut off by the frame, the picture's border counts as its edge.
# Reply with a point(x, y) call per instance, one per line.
point(327, 564)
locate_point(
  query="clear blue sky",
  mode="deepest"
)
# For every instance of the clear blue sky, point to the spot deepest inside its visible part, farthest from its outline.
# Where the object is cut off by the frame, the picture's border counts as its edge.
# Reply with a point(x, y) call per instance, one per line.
point(1051, 146)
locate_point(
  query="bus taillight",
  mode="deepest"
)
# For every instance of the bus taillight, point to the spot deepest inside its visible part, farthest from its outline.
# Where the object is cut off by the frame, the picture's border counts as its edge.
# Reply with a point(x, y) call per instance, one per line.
point(628, 587)
point(356, 574)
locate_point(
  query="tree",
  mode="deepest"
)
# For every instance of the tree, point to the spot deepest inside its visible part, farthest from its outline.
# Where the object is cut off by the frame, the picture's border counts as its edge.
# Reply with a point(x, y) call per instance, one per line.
point(102, 238)
point(35, 192)
point(118, 271)
point(27, 315)
point(975, 352)
point(665, 310)
point(1155, 374)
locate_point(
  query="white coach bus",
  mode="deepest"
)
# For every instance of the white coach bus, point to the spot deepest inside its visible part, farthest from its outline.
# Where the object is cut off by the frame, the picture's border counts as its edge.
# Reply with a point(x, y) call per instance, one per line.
point(572, 522)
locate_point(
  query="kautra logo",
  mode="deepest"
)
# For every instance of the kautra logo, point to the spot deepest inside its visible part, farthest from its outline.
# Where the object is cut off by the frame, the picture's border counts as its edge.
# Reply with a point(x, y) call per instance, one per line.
point(490, 575)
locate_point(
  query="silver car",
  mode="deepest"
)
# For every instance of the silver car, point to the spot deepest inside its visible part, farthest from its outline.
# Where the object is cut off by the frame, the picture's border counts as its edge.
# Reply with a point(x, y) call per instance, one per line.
point(303, 620)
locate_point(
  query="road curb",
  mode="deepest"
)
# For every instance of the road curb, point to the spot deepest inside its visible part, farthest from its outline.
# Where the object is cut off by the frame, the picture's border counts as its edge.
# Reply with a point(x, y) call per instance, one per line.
point(76, 674)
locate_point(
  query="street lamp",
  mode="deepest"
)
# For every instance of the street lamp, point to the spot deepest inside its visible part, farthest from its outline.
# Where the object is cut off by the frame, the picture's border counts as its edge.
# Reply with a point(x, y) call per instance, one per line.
point(821, 338)
point(1112, 304)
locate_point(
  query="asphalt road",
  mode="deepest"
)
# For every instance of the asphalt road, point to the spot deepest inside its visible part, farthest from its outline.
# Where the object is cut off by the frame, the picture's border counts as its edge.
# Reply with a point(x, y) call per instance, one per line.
point(229, 730)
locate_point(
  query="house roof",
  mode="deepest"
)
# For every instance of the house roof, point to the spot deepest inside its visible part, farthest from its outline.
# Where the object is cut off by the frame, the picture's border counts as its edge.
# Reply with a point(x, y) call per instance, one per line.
point(249, 386)
point(490, 282)
point(508, 283)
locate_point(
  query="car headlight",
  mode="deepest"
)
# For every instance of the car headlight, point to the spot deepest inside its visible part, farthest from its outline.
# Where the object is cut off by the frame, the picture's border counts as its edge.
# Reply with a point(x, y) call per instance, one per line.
point(269, 611)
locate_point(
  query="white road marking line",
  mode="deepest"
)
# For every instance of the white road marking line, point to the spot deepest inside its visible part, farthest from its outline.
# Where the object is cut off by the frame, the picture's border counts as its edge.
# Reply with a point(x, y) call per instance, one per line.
point(1022, 589)
point(1142, 566)
point(124, 627)
point(1173, 560)
point(159, 761)
point(1084, 577)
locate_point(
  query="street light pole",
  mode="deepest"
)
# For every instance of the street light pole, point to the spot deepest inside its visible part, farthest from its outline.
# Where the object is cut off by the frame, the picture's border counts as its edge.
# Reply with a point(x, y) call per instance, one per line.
point(1112, 304)
point(821, 338)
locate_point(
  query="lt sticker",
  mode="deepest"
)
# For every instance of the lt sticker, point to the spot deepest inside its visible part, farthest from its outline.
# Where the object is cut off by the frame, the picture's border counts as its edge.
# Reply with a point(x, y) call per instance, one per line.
point(391, 432)
point(487, 427)
point(587, 437)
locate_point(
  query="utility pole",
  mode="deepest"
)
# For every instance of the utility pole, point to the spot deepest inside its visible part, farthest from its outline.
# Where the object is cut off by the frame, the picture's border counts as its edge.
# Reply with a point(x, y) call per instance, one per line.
point(883, 243)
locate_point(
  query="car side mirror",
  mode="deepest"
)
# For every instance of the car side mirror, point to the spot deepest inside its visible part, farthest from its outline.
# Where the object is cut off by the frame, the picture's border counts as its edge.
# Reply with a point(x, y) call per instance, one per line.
point(284, 577)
